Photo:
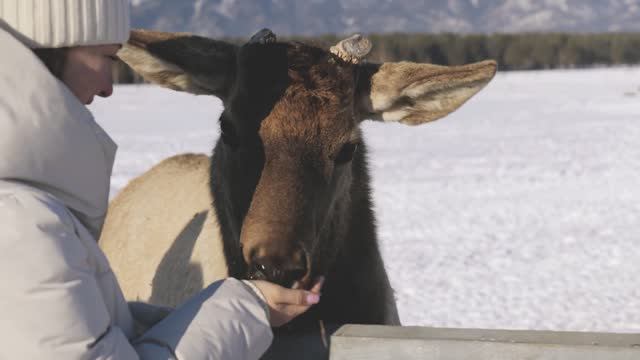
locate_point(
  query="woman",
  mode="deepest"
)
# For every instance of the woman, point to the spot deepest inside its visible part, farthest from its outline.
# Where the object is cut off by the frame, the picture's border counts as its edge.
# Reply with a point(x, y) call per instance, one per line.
point(58, 295)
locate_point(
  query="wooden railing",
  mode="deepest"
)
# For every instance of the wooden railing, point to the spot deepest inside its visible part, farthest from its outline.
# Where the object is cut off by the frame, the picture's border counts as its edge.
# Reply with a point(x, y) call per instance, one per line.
point(365, 342)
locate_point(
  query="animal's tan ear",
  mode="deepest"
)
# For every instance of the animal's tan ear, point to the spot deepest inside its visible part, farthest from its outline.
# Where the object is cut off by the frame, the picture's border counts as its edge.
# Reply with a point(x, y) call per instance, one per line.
point(182, 61)
point(413, 93)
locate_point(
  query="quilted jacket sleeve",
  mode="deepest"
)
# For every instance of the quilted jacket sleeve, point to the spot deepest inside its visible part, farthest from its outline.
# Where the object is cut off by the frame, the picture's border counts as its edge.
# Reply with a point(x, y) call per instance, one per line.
point(53, 307)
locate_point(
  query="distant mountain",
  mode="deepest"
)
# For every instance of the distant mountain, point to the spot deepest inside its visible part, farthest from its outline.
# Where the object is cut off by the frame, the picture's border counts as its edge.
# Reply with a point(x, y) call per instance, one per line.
point(315, 17)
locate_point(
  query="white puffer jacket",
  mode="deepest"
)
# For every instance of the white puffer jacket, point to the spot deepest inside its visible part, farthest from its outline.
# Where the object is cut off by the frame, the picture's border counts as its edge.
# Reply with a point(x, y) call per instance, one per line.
point(59, 298)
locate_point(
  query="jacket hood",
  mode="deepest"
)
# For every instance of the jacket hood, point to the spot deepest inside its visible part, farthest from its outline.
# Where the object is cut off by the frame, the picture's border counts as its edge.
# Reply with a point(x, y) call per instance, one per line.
point(48, 138)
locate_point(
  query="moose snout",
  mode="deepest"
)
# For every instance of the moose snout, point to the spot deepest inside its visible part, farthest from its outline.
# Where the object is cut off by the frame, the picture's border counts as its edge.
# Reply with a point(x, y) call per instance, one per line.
point(282, 268)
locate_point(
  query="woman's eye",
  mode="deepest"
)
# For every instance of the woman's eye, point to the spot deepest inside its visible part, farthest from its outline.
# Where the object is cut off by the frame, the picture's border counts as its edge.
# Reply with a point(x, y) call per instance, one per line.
point(113, 57)
point(346, 153)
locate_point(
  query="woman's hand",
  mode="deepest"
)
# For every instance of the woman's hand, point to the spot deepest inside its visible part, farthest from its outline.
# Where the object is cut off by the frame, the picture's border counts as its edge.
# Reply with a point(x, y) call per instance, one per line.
point(285, 304)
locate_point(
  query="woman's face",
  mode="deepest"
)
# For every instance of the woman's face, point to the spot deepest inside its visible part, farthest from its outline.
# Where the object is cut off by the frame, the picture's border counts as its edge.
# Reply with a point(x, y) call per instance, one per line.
point(87, 71)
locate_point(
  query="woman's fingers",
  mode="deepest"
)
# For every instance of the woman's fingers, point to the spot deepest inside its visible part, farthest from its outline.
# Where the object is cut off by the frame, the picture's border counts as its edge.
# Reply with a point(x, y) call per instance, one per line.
point(286, 304)
point(318, 285)
point(296, 297)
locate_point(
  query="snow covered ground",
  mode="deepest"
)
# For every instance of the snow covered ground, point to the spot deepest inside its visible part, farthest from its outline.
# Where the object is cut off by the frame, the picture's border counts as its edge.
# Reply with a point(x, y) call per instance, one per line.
point(521, 210)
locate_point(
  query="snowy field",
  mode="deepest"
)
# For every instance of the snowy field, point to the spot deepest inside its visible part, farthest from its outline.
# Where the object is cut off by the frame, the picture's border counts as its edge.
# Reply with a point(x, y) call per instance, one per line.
point(521, 210)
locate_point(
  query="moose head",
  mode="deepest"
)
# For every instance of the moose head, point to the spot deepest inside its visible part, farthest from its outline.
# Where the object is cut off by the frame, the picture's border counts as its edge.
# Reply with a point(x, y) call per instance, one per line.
point(288, 175)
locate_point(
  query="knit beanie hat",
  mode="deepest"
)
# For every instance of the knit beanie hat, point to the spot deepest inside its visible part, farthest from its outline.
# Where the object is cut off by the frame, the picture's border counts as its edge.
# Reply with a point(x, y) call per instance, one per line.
point(60, 23)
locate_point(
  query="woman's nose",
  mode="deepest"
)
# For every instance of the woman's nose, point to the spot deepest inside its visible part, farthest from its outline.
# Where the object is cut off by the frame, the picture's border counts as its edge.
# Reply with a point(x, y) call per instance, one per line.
point(106, 92)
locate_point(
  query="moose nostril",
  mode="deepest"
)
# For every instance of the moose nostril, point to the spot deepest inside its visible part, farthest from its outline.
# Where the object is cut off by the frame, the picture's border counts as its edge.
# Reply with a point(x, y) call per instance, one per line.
point(282, 270)
point(276, 274)
point(261, 271)
point(258, 271)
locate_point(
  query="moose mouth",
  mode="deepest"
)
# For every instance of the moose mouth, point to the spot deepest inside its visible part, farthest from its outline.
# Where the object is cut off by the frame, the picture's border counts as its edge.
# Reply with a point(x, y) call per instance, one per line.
point(283, 276)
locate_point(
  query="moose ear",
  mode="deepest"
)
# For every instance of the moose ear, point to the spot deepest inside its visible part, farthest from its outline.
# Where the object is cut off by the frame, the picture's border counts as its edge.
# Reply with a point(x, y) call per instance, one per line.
point(413, 93)
point(182, 61)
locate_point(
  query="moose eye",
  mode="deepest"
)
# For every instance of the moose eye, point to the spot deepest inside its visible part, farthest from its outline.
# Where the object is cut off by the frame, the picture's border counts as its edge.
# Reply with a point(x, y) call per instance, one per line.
point(228, 133)
point(346, 153)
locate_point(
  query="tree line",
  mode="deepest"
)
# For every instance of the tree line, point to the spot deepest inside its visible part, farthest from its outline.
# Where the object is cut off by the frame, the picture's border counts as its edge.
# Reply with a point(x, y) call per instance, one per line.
point(526, 51)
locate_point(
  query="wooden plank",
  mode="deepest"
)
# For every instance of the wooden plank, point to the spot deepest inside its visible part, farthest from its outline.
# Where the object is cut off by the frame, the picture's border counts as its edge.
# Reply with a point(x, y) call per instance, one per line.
point(355, 342)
